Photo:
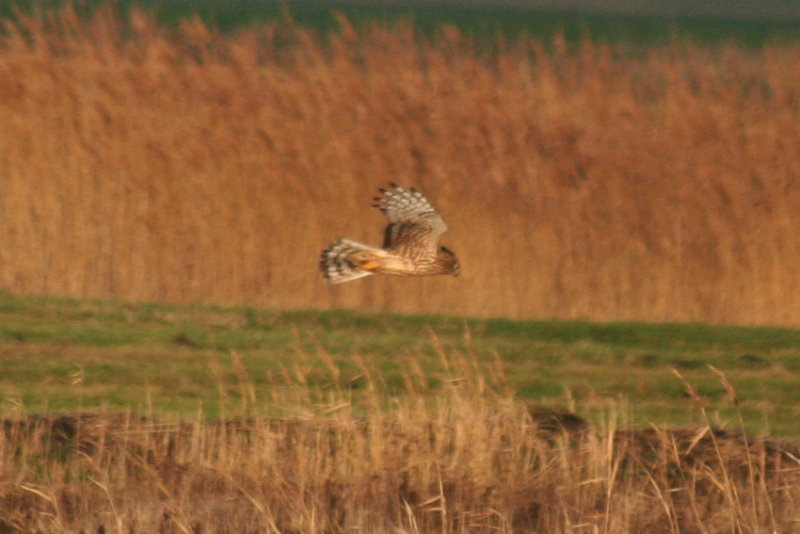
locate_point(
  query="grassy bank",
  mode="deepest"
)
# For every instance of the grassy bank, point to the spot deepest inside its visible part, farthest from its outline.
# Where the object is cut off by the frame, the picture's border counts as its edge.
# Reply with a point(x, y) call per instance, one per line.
point(65, 356)
point(123, 417)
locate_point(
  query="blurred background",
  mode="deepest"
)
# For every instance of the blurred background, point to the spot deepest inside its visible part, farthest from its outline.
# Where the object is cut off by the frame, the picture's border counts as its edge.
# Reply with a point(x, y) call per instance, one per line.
point(603, 160)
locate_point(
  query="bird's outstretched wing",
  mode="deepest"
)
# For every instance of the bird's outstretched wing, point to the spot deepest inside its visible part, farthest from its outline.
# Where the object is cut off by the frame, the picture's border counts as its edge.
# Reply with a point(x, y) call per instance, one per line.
point(414, 225)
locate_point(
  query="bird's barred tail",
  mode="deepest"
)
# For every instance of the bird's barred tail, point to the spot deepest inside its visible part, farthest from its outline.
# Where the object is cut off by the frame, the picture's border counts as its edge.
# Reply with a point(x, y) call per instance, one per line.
point(334, 263)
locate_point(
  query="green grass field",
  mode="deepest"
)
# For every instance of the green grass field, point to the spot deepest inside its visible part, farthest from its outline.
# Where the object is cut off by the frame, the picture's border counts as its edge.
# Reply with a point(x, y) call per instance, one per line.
point(482, 21)
point(60, 355)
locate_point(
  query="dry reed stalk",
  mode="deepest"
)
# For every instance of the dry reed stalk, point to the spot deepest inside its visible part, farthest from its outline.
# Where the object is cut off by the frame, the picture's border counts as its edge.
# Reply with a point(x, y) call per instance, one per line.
point(463, 460)
point(139, 163)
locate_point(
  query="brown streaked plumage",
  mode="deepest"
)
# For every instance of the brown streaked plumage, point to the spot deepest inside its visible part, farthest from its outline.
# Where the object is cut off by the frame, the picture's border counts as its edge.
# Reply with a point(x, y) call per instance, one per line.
point(410, 243)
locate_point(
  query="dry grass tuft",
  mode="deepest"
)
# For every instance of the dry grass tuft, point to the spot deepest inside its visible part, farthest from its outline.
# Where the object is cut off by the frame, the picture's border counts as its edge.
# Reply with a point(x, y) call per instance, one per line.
point(460, 461)
point(139, 163)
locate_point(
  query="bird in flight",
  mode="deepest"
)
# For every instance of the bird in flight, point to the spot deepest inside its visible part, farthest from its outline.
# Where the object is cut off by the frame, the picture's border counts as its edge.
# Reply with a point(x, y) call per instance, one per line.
point(410, 243)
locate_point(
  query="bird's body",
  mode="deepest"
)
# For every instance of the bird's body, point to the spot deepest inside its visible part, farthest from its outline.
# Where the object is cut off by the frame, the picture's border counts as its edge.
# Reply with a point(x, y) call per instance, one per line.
point(410, 243)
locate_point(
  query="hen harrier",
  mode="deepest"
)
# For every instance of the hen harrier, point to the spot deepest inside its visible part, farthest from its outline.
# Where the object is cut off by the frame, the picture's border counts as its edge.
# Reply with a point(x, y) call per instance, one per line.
point(410, 243)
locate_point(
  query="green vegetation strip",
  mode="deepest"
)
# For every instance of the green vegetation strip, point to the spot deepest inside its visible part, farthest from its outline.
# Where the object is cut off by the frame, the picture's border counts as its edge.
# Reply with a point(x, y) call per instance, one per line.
point(483, 21)
point(62, 355)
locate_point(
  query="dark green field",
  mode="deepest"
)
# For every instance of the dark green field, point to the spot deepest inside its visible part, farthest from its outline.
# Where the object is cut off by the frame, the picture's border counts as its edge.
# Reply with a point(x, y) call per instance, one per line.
point(486, 22)
point(61, 355)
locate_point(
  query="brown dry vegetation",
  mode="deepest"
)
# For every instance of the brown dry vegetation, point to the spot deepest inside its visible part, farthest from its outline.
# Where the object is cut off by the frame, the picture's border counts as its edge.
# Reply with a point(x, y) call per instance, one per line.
point(139, 163)
point(465, 460)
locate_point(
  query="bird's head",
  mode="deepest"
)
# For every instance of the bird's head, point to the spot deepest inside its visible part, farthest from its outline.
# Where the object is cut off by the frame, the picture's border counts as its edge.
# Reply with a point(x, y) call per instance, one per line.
point(450, 261)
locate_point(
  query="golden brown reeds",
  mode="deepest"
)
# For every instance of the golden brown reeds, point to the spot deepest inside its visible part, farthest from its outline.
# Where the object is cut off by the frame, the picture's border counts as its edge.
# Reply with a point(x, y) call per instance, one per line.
point(142, 163)
point(466, 459)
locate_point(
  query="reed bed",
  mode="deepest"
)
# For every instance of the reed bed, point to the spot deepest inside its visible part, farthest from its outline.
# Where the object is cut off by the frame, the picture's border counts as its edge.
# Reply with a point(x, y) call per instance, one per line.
point(591, 181)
